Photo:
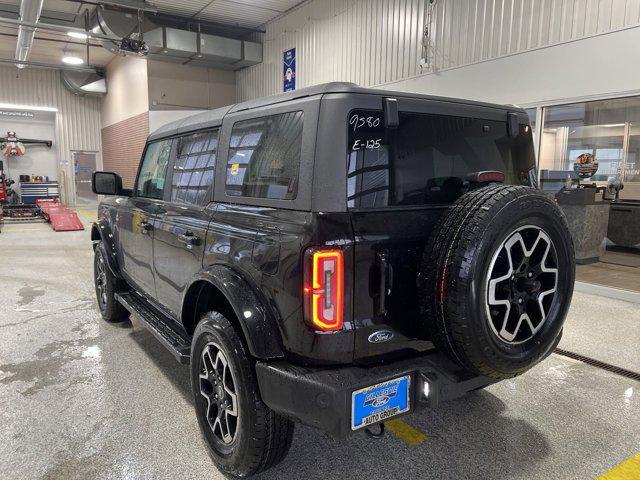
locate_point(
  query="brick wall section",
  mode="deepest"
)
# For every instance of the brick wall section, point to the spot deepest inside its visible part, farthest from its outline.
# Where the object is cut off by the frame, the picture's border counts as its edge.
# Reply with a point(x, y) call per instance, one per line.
point(122, 145)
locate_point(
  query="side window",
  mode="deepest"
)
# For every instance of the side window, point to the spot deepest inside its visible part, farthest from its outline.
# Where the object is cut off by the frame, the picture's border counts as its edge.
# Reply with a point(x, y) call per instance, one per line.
point(194, 167)
point(264, 157)
point(153, 172)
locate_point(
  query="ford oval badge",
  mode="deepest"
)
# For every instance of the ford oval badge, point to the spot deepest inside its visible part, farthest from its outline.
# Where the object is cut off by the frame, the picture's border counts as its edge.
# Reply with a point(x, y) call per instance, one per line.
point(380, 336)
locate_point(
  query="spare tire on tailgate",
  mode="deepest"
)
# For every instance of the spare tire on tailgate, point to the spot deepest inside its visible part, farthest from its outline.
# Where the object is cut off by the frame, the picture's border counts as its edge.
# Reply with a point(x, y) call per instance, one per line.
point(496, 280)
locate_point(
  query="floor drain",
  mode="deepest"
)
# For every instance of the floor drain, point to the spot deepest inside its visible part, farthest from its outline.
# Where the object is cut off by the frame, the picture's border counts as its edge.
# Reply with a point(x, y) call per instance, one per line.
point(597, 363)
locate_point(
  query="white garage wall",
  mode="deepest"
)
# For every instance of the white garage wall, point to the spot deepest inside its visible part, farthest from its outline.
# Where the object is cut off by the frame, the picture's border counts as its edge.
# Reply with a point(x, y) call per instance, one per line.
point(77, 119)
point(374, 42)
point(37, 159)
point(605, 66)
point(174, 86)
point(468, 31)
point(364, 41)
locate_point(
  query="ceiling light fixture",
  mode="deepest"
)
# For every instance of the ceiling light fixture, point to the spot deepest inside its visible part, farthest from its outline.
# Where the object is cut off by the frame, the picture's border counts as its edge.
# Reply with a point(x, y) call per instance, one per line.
point(72, 60)
point(13, 106)
point(78, 35)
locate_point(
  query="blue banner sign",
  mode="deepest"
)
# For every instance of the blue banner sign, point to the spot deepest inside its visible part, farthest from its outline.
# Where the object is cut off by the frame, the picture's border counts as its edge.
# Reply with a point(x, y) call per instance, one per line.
point(289, 70)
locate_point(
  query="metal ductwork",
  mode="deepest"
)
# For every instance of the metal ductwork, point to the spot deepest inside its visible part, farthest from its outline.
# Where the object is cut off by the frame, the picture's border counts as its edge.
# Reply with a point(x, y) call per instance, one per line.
point(114, 23)
point(176, 45)
point(29, 12)
point(196, 48)
point(85, 83)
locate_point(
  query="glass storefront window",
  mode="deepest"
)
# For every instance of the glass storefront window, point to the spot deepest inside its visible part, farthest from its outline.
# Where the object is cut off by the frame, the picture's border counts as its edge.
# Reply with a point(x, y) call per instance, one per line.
point(607, 129)
point(632, 164)
point(531, 112)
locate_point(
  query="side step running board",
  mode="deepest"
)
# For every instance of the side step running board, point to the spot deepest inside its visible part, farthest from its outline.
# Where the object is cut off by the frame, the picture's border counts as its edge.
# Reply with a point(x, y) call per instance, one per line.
point(177, 342)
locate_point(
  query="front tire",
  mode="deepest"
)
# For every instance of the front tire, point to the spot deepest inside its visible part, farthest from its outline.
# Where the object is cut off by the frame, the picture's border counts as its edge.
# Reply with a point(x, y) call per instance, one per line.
point(244, 436)
point(106, 285)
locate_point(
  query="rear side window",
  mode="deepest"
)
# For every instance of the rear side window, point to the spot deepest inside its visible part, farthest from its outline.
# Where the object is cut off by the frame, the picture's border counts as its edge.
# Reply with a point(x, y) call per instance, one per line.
point(153, 170)
point(264, 157)
point(429, 158)
point(194, 167)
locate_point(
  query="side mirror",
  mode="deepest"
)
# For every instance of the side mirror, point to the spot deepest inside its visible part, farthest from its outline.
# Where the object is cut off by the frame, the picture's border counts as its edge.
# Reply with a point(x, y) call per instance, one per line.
point(106, 183)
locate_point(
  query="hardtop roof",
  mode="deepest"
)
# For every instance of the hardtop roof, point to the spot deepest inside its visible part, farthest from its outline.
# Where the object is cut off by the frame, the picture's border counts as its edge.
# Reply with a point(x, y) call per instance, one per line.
point(213, 118)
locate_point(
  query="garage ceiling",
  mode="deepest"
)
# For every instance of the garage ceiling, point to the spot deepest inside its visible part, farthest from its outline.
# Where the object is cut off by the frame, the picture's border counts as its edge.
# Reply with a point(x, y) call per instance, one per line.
point(244, 13)
point(50, 47)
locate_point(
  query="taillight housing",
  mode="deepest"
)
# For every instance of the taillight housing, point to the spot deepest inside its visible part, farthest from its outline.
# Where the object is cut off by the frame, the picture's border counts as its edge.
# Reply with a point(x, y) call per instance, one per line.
point(323, 289)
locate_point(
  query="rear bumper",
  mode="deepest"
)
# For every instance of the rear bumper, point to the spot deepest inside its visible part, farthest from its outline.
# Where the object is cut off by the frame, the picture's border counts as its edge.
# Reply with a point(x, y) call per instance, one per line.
point(321, 397)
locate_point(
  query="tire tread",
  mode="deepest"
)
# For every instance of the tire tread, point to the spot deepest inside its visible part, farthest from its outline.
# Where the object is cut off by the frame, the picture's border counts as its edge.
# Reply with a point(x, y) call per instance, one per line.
point(450, 252)
point(271, 434)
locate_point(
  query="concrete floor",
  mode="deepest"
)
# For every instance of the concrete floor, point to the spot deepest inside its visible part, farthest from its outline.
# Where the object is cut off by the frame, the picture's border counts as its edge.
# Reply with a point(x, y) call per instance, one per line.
point(81, 399)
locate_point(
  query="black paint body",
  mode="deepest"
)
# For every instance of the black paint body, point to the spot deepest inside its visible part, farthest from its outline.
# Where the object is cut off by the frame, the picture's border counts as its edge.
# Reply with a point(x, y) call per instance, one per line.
point(251, 250)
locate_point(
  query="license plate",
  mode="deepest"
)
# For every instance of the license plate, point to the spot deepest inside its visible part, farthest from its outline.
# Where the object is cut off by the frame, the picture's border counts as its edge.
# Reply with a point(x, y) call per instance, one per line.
point(380, 402)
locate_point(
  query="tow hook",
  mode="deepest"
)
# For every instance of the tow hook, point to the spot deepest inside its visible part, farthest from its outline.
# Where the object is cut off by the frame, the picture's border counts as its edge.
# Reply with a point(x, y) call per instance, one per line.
point(378, 434)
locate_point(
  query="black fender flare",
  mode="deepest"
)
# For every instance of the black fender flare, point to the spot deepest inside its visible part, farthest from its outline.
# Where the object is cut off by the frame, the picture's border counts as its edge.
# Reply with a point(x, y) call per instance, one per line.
point(259, 326)
point(101, 231)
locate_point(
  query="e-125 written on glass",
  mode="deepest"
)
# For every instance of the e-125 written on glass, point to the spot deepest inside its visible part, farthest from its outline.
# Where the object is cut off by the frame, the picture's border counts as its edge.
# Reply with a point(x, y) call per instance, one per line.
point(366, 130)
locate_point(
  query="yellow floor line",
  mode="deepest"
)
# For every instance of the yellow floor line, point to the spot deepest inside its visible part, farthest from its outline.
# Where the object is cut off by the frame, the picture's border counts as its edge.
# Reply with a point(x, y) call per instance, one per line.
point(87, 214)
point(405, 432)
point(627, 470)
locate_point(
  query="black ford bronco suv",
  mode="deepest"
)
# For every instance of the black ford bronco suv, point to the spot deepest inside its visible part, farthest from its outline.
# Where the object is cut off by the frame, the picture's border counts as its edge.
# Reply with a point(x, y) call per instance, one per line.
point(335, 256)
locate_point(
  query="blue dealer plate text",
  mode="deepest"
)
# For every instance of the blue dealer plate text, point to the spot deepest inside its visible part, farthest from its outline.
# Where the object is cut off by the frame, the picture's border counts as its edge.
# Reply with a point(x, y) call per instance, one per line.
point(380, 402)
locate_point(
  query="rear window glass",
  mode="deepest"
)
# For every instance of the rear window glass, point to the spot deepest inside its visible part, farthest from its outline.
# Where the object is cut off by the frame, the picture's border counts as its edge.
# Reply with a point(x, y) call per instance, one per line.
point(194, 167)
point(429, 158)
point(264, 157)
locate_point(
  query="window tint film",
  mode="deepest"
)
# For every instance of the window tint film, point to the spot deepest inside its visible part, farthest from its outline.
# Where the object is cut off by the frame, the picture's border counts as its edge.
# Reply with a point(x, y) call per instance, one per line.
point(429, 159)
point(264, 157)
point(154, 170)
point(194, 167)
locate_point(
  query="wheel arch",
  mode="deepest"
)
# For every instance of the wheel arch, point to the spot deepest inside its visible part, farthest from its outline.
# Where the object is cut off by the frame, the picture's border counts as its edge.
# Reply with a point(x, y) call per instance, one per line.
point(222, 289)
point(101, 231)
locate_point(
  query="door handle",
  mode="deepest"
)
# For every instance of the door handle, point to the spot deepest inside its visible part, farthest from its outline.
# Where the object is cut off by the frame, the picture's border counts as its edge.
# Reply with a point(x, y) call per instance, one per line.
point(386, 281)
point(266, 226)
point(189, 239)
point(144, 227)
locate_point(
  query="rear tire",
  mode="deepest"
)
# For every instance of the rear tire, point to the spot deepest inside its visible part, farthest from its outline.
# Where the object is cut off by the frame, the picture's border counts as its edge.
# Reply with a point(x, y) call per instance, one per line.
point(496, 280)
point(106, 285)
point(244, 436)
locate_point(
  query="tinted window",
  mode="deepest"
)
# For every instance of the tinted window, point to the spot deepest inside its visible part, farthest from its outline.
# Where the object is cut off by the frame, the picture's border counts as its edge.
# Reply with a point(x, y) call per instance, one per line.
point(428, 159)
point(264, 157)
point(154, 170)
point(194, 167)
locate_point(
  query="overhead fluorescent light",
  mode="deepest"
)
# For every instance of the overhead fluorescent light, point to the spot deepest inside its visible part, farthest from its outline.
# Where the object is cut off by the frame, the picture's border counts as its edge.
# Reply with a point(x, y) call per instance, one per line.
point(13, 106)
point(78, 35)
point(72, 60)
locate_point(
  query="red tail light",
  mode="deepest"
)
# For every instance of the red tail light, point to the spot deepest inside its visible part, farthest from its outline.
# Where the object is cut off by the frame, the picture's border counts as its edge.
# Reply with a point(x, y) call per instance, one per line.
point(324, 289)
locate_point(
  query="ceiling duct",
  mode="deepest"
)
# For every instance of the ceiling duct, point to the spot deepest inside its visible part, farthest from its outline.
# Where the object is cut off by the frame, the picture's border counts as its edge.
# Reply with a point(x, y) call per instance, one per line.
point(171, 44)
point(29, 12)
point(195, 48)
point(85, 83)
point(114, 23)
point(177, 45)
point(217, 50)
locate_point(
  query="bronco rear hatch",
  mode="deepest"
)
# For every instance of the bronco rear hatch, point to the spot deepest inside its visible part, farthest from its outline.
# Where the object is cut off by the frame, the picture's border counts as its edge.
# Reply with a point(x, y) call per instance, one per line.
point(401, 177)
